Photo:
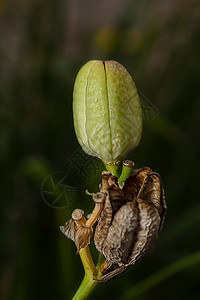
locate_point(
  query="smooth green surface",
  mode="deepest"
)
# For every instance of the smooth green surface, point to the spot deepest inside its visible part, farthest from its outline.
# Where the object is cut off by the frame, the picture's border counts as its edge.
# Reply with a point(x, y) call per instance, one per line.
point(114, 169)
point(85, 289)
point(125, 173)
point(91, 272)
point(88, 283)
point(79, 106)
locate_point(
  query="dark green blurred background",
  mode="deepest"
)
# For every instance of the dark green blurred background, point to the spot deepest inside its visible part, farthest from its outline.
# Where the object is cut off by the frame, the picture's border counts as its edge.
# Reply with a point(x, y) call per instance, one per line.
point(43, 45)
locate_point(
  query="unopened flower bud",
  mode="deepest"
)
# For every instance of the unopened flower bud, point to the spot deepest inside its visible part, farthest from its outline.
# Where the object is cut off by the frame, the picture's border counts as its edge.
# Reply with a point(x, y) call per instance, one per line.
point(107, 111)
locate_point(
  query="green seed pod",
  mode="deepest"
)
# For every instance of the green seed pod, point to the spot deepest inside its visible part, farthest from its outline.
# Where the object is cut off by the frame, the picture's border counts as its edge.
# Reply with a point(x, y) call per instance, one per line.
point(107, 111)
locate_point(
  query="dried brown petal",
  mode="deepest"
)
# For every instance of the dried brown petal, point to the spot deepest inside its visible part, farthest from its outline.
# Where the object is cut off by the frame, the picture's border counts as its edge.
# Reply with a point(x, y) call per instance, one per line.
point(112, 273)
point(116, 196)
point(153, 192)
point(135, 183)
point(120, 237)
point(103, 225)
point(82, 236)
point(147, 232)
point(68, 229)
point(147, 185)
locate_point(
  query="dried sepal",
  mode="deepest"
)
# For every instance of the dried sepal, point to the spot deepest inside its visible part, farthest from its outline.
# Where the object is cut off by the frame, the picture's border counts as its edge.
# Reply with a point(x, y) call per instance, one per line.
point(68, 229)
point(82, 236)
point(76, 229)
point(112, 273)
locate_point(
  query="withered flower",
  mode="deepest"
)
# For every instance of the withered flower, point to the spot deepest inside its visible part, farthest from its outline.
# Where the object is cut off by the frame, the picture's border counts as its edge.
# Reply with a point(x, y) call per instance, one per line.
point(130, 221)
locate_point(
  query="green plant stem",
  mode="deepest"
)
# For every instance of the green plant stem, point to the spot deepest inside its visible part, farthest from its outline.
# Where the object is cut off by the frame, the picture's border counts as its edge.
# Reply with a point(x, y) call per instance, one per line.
point(87, 261)
point(113, 168)
point(127, 168)
point(86, 287)
point(101, 259)
point(88, 283)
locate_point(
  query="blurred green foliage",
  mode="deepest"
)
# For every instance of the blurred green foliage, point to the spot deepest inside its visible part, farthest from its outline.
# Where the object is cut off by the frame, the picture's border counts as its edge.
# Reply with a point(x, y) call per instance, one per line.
point(43, 45)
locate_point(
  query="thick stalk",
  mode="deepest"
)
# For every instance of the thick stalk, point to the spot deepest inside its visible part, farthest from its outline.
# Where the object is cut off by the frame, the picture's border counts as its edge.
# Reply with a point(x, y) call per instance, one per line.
point(86, 287)
point(87, 261)
point(88, 283)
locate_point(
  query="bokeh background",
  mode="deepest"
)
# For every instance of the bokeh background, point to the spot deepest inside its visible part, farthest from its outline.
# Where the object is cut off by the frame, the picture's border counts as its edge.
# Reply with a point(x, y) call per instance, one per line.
point(44, 173)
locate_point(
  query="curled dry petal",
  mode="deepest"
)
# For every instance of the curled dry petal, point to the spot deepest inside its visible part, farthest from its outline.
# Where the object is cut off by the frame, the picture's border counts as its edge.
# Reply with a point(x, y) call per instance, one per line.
point(148, 186)
point(68, 229)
